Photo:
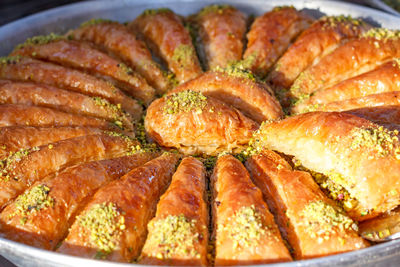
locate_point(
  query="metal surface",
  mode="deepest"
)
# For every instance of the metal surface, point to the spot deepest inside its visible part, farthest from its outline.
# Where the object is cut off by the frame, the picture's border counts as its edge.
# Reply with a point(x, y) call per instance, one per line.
point(59, 20)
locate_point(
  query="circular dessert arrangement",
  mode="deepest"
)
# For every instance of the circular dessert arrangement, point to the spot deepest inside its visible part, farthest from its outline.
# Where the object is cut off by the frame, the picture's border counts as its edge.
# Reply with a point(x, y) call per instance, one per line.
point(218, 138)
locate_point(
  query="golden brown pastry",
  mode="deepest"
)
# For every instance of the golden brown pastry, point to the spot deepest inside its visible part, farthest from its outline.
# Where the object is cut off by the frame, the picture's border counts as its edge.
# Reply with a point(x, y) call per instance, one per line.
point(238, 89)
point(221, 29)
point(21, 169)
point(270, 35)
point(355, 57)
point(21, 115)
point(380, 115)
point(321, 38)
point(244, 230)
point(360, 159)
point(116, 39)
point(42, 215)
point(47, 96)
point(27, 69)
point(14, 138)
point(82, 56)
point(369, 101)
point(113, 224)
point(313, 224)
point(194, 123)
point(178, 234)
point(385, 78)
point(165, 35)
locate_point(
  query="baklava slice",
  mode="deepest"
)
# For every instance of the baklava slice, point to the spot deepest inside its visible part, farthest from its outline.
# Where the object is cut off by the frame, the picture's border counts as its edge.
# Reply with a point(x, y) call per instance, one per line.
point(270, 35)
point(313, 224)
point(321, 38)
point(164, 33)
point(113, 224)
point(27, 69)
point(15, 138)
point(42, 215)
point(355, 57)
point(117, 40)
point(21, 169)
point(194, 123)
point(178, 234)
point(221, 30)
point(239, 89)
point(33, 94)
point(384, 78)
point(357, 160)
point(85, 57)
point(245, 232)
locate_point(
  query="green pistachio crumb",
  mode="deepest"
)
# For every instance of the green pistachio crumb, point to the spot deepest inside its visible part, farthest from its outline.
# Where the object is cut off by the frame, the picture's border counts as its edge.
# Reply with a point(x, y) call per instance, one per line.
point(321, 219)
point(9, 60)
point(383, 141)
point(95, 22)
point(185, 101)
point(382, 34)
point(40, 40)
point(245, 228)
point(173, 236)
point(218, 9)
point(156, 11)
point(104, 224)
point(8, 164)
point(31, 201)
point(184, 54)
point(235, 70)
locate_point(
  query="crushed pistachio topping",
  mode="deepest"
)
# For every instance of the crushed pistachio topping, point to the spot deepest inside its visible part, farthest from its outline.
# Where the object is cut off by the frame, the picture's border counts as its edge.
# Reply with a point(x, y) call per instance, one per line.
point(31, 201)
point(332, 21)
point(8, 164)
point(279, 8)
point(185, 101)
point(245, 228)
point(40, 40)
point(219, 9)
point(382, 34)
point(381, 140)
point(321, 219)
point(9, 60)
point(396, 62)
point(173, 236)
point(236, 70)
point(125, 68)
point(156, 11)
point(116, 110)
point(133, 146)
point(95, 22)
point(183, 54)
point(103, 223)
point(245, 63)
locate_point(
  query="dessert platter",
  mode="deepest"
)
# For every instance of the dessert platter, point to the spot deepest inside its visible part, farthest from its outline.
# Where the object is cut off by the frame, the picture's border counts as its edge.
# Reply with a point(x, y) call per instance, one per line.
point(200, 133)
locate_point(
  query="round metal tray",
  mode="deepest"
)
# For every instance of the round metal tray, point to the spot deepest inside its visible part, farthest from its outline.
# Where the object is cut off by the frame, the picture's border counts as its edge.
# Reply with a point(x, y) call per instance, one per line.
point(60, 19)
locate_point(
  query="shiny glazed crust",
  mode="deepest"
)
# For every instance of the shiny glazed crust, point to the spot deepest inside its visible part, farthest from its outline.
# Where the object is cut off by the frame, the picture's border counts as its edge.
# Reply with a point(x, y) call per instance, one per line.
point(14, 138)
point(32, 94)
point(83, 56)
point(185, 197)
point(351, 59)
point(288, 193)
point(26, 167)
point(165, 35)
point(217, 127)
point(118, 40)
point(27, 69)
point(135, 195)
point(270, 35)
point(221, 30)
point(233, 191)
point(322, 37)
point(335, 144)
point(252, 98)
point(45, 228)
point(21, 115)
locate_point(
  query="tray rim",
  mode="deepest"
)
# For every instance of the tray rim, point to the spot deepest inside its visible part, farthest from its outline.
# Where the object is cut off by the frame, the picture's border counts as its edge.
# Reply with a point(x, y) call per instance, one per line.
point(11, 249)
